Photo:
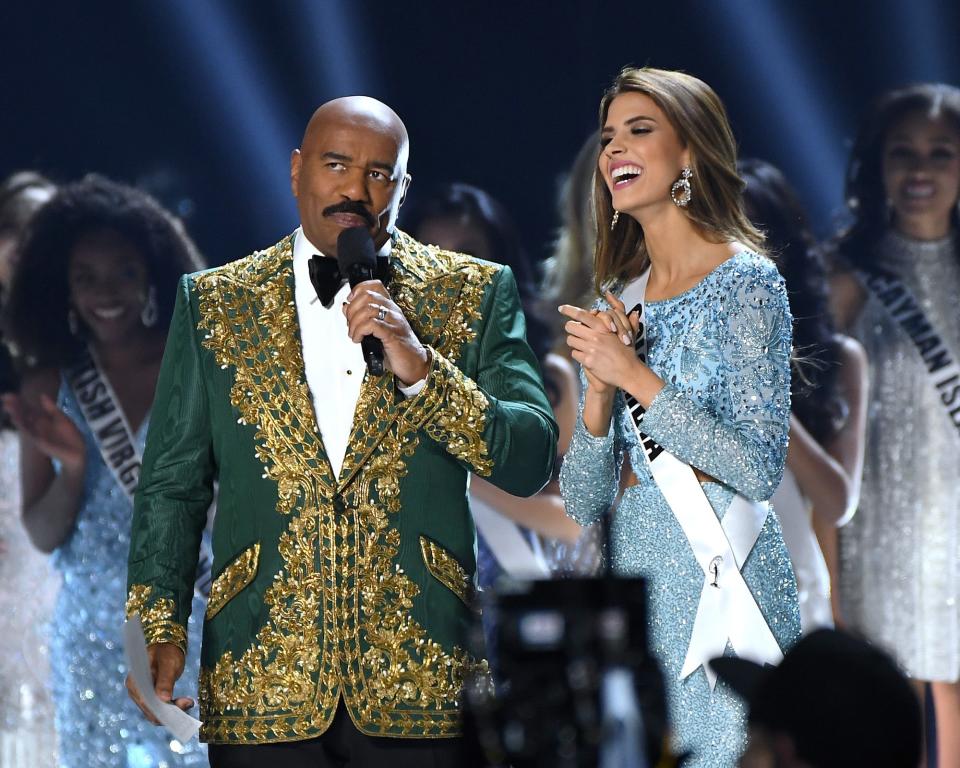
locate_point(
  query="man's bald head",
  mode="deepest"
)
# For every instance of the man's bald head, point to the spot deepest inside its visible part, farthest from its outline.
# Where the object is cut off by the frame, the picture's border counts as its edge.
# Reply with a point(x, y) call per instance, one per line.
point(365, 112)
point(350, 170)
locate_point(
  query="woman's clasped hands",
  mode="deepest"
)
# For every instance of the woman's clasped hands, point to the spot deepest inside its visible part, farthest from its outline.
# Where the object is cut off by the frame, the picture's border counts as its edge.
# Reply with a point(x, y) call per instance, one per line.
point(602, 341)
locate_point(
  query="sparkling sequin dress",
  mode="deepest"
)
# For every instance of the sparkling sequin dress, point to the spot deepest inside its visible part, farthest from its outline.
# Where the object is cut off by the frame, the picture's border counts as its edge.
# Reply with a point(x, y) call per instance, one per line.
point(97, 723)
point(723, 350)
point(900, 555)
point(28, 588)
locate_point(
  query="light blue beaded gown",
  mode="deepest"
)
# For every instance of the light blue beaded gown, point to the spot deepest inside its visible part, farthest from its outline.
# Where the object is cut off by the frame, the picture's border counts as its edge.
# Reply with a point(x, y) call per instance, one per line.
point(97, 724)
point(723, 350)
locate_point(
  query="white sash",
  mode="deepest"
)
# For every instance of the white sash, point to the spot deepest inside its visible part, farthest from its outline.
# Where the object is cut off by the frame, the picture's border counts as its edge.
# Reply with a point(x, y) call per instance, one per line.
point(728, 611)
point(943, 372)
point(813, 578)
point(507, 543)
point(115, 440)
point(108, 424)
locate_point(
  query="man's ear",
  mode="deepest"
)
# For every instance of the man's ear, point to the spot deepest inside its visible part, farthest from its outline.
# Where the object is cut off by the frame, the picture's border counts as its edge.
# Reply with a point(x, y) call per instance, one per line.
point(296, 159)
point(404, 188)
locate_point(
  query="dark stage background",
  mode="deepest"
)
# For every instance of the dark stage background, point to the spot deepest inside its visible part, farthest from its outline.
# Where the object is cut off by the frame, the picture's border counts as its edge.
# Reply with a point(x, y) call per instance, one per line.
point(201, 101)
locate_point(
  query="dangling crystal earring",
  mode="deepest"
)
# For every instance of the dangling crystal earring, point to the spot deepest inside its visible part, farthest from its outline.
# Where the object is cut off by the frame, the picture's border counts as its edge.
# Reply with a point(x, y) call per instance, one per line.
point(148, 315)
point(614, 220)
point(681, 191)
point(72, 322)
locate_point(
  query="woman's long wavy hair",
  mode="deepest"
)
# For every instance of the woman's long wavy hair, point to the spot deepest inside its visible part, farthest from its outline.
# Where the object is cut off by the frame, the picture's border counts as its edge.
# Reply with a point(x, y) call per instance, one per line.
point(700, 120)
point(864, 189)
point(774, 208)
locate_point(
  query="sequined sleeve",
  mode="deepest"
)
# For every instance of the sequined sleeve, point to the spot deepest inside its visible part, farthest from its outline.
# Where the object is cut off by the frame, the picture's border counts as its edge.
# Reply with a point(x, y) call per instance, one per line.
point(590, 474)
point(175, 488)
point(743, 441)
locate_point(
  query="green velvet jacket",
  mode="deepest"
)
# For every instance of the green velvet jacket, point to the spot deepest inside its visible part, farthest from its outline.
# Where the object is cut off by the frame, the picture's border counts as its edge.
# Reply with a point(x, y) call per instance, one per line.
point(358, 586)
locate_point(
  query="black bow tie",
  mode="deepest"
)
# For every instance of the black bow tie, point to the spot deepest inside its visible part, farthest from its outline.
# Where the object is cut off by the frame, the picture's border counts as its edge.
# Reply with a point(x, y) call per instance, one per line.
point(326, 278)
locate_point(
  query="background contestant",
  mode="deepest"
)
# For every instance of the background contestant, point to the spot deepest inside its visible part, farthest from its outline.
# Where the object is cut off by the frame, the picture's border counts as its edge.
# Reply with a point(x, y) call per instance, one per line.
point(900, 576)
point(90, 306)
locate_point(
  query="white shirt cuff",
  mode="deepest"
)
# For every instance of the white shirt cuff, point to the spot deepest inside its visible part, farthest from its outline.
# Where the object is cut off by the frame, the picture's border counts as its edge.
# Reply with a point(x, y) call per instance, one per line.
point(414, 389)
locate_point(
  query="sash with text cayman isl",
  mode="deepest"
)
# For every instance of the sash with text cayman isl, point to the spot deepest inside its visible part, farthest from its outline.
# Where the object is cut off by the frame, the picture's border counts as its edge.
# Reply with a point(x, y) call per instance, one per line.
point(943, 372)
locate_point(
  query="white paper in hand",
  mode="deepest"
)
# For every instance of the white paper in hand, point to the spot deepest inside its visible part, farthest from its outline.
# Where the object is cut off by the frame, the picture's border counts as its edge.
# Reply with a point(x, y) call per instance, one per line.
point(179, 723)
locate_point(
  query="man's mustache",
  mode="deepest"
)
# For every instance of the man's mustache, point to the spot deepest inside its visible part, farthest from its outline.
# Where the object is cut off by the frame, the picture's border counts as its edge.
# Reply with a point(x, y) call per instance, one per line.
point(349, 206)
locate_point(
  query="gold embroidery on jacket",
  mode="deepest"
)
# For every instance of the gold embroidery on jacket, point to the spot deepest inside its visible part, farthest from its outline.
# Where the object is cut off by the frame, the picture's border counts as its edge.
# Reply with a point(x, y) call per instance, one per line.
point(447, 570)
point(240, 572)
point(460, 418)
point(249, 316)
point(159, 625)
point(397, 680)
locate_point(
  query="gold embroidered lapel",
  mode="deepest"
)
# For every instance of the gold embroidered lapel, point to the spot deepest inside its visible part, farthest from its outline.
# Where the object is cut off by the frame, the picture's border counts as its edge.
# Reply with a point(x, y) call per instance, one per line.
point(427, 294)
point(248, 312)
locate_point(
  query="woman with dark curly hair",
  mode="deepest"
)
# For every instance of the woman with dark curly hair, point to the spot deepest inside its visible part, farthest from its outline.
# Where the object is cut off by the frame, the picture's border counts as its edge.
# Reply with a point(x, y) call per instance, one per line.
point(897, 293)
point(89, 308)
point(821, 483)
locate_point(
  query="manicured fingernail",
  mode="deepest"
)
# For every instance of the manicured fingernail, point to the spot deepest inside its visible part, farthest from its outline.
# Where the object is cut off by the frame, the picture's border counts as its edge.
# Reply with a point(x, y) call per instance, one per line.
point(613, 326)
point(625, 339)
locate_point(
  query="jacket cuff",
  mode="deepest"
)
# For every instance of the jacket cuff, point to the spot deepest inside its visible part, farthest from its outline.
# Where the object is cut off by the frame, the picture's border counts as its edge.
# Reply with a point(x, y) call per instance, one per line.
point(452, 410)
point(157, 616)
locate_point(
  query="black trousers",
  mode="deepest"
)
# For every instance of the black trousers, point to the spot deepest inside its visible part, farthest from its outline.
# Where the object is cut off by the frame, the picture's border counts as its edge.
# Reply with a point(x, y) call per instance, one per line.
point(343, 746)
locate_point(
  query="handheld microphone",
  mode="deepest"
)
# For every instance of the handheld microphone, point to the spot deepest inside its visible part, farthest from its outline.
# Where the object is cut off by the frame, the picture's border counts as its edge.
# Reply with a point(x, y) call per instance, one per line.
point(357, 260)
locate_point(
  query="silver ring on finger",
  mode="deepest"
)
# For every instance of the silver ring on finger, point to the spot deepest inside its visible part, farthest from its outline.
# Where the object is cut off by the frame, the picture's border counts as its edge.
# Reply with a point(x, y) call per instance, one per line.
point(381, 313)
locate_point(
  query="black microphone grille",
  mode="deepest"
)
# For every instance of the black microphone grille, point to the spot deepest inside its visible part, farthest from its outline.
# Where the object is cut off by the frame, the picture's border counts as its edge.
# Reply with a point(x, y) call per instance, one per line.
point(355, 246)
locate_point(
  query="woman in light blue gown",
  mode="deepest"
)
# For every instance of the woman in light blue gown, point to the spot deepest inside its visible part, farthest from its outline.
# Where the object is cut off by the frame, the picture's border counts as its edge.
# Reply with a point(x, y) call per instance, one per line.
point(715, 389)
point(95, 281)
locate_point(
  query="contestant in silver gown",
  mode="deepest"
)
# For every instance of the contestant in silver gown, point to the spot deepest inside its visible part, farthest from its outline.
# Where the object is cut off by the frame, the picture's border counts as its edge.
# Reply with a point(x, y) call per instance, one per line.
point(898, 293)
point(900, 579)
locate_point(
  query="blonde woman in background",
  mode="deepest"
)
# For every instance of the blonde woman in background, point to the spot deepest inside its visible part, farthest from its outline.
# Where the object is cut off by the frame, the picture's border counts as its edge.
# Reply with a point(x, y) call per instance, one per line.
point(567, 274)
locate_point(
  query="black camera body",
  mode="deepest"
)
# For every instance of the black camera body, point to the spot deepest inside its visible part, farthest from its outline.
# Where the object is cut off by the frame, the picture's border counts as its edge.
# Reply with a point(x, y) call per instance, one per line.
point(559, 645)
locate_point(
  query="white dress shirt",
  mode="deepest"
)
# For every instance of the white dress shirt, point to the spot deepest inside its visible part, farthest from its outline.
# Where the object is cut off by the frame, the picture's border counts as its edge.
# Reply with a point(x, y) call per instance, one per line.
point(332, 363)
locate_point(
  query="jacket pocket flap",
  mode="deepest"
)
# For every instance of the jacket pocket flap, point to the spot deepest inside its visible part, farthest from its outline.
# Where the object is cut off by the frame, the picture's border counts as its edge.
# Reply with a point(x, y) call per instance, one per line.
point(238, 574)
point(447, 570)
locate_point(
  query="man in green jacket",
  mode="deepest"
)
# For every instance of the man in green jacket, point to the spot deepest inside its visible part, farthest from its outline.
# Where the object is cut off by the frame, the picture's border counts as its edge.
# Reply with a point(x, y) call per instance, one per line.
point(343, 543)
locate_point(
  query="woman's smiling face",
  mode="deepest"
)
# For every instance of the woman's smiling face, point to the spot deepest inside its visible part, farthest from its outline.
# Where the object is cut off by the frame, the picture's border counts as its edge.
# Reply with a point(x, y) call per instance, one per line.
point(921, 171)
point(108, 285)
point(641, 154)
